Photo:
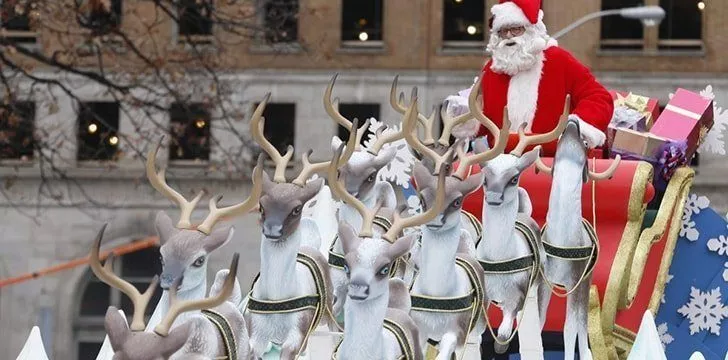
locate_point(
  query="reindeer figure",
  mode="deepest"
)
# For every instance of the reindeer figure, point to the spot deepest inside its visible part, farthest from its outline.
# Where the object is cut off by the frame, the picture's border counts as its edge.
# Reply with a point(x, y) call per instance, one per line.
point(511, 251)
point(378, 326)
point(570, 242)
point(293, 290)
point(448, 294)
point(217, 332)
point(186, 248)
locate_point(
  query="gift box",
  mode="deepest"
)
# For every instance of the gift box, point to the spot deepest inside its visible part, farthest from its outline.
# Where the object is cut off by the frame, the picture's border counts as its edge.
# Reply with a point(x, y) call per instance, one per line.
point(641, 144)
point(633, 112)
point(687, 117)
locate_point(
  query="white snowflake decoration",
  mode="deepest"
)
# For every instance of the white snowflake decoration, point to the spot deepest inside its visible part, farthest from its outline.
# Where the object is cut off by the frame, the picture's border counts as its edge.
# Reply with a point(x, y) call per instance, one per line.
point(667, 281)
point(694, 204)
point(414, 206)
point(725, 272)
point(705, 311)
point(665, 337)
point(400, 168)
point(719, 245)
point(688, 230)
point(714, 141)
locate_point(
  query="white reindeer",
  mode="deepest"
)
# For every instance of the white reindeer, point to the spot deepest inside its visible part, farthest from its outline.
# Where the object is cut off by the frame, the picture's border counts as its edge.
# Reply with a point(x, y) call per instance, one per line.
point(511, 251)
point(448, 294)
point(293, 290)
point(570, 241)
point(218, 331)
point(375, 330)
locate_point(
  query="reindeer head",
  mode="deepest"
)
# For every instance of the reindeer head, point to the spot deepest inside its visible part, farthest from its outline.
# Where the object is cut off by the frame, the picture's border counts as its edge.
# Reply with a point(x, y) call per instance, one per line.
point(282, 202)
point(363, 165)
point(185, 248)
point(132, 342)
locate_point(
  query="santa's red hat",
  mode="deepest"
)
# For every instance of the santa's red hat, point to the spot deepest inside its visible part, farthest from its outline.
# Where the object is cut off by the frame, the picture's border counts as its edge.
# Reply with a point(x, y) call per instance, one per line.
point(516, 12)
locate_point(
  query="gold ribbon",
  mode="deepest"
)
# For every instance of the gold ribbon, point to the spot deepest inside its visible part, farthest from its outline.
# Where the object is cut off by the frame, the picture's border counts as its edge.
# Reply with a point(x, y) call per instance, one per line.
point(637, 103)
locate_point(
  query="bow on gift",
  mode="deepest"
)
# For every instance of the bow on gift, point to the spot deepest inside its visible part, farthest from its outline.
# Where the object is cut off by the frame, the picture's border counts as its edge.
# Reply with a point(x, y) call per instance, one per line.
point(671, 156)
point(631, 112)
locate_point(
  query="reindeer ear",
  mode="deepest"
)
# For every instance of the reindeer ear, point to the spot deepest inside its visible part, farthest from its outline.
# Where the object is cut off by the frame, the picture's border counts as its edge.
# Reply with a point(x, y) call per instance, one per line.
point(480, 146)
point(349, 239)
point(422, 175)
point(401, 246)
point(218, 238)
point(311, 189)
point(176, 339)
point(385, 156)
point(267, 183)
point(472, 183)
point(528, 159)
point(336, 143)
point(116, 328)
point(165, 227)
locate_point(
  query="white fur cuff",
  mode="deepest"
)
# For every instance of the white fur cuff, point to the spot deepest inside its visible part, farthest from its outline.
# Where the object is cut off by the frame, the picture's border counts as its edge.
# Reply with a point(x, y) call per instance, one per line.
point(458, 105)
point(593, 136)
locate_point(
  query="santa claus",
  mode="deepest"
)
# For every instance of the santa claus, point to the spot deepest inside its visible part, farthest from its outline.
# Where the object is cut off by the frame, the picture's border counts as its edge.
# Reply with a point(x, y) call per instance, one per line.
point(531, 75)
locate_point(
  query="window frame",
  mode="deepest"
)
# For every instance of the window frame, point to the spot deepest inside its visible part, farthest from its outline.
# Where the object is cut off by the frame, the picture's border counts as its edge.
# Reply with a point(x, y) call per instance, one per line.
point(34, 116)
point(208, 117)
point(358, 44)
point(80, 108)
point(474, 45)
point(20, 34)
point(263, 36)
point(193, 39)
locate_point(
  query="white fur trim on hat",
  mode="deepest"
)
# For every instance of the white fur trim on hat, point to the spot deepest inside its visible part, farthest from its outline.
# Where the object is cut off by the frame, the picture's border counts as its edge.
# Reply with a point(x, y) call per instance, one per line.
point(508, 13)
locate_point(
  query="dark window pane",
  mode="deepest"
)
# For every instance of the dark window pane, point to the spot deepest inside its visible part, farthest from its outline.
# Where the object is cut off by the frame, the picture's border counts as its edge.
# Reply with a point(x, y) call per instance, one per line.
point(281, 21)
point(618, 28)
point(99, 18)
point(195, 17)
point(361, 20)
point(190, 128)
point(15, 15)
point(463, 20)
point(89, 350)
point(280, 125)
point(95, 299)
point(143, 263)
point(128, 307)
point(359, 111)
point(98, 124)
point(16, 130)
point(683, 19)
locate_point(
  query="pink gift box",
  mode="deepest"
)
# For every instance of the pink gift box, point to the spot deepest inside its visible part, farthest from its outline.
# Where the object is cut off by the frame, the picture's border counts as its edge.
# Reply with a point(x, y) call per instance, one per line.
point(688, 116)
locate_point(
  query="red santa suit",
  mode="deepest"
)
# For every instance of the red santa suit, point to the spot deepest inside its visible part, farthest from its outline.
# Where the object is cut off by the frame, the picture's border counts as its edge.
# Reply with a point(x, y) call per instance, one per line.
point(536, 95)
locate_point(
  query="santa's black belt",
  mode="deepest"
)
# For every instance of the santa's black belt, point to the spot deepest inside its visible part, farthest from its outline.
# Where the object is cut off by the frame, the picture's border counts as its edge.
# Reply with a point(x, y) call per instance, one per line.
point(283, 306)
point(508, 266)
point(442, 304)
point(226, 332)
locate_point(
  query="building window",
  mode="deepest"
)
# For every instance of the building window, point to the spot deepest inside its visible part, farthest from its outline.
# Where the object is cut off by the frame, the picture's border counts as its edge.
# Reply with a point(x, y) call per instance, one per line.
point(190, 129)
point(618, 32)
point(280, 125)
point(682, 27)
point(138, 268)
point(101, 17)
point(194, 22)
point(281, 21)
point(15, 20)
point(359, 111)
point(16, 130)
point(361, 22)
point(464, 22)
point(98, 126)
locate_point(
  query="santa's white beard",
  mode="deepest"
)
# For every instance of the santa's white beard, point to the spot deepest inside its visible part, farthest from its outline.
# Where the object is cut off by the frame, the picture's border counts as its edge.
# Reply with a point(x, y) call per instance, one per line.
point(522, 54)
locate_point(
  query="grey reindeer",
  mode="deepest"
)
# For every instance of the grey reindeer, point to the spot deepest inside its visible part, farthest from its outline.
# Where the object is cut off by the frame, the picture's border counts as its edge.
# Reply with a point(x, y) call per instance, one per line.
point(186, 248)
point(376, 313)
point(511, 251)
point(361, 169)
point(570, 241)
point(449, 292)
point(198, 337)
point(293, 290)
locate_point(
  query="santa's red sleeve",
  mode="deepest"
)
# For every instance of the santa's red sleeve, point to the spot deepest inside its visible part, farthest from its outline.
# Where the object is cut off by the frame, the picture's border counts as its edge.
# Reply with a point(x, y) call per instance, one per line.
point(590, 100)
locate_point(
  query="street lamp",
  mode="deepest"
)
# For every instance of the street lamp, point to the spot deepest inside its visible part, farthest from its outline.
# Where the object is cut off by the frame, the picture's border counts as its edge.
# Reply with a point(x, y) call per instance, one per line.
point(649, 15)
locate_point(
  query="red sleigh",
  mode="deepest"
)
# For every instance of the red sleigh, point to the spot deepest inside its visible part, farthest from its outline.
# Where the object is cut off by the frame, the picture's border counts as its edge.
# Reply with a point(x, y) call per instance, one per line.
point(634, 259)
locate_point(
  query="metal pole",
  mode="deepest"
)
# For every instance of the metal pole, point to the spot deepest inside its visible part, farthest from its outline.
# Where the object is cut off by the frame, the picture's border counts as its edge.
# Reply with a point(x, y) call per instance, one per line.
point(584, 20)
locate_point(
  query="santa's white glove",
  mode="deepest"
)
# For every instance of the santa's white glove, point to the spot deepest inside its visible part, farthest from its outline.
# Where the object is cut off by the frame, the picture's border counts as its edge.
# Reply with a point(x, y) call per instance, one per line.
point(456, 105)
point(591, 135)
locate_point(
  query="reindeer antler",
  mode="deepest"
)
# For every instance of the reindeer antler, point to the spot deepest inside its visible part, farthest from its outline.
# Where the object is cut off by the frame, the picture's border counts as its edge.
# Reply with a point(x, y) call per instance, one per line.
point(500, 135)
point(309, 168)
point(399, 223)
point(177, 307)
point(106, 274)
point(331, 109)
point(525, 141)
point(400, 107)
point(216, 213)
point(159, 182)
point(607, 174)
point(256, 129)
point(409, 126)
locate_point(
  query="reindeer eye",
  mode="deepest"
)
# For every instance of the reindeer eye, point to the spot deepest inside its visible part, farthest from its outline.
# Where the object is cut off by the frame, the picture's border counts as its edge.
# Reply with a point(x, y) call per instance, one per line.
point(457, 203)
point(199, 262)
point(384, 271)
point(297, 210)
point(261, 210)
point(372, 177)
point(346, 268)
point(514, 181)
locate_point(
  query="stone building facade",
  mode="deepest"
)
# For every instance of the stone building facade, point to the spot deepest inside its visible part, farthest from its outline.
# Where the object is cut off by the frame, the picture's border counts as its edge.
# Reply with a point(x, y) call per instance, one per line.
point(431, 44)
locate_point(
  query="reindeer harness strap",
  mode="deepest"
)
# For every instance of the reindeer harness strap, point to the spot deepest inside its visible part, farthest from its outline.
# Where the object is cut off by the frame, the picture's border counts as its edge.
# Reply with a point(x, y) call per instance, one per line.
point(518, 264)
point(477, 225)
point(226, 333)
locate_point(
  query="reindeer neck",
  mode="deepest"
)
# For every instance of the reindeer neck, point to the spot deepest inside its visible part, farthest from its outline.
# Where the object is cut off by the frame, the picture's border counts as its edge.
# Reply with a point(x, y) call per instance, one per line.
point(437, 256)
point(564, 214)
point(498, 231)
point(363, 339)
point(278, 279)
point(196, 293)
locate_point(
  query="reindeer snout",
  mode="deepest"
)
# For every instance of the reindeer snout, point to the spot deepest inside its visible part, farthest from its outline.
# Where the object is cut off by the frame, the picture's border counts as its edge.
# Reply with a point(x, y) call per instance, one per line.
point(168, 279)
point(272, 231)
point(358, 291)
point(493, 198)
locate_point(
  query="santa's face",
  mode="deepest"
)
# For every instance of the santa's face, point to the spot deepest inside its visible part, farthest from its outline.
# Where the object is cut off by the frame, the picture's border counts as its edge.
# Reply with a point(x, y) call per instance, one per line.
point(516, 48)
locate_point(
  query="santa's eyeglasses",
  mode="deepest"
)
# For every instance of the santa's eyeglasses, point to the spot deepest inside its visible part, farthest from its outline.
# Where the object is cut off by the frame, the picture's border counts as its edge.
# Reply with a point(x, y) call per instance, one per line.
point(512, 31)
